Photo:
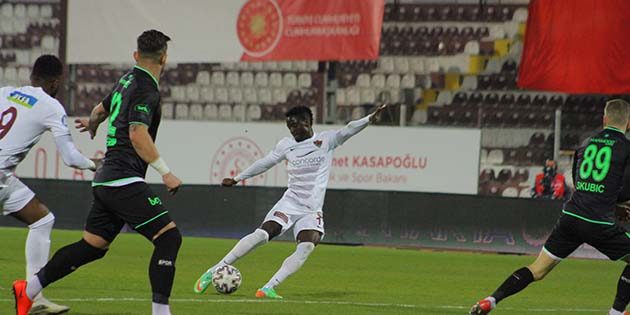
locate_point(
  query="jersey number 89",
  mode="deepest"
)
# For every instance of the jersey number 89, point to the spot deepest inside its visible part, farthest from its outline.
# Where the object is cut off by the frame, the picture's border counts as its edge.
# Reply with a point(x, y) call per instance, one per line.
point(596, 162)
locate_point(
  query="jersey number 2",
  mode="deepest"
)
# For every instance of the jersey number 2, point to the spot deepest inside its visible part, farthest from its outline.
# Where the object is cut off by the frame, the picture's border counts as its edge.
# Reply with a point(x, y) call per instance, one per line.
point(6, 121)
point(596, 162)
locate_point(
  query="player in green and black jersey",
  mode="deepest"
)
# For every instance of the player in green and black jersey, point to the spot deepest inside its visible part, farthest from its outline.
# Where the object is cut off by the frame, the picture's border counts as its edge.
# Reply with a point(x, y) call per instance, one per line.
point(120, 192)
point(589, 216)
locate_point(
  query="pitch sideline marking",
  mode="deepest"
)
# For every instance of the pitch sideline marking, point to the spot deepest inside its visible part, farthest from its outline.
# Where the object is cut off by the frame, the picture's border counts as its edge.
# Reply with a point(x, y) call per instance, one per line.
point(109, 299)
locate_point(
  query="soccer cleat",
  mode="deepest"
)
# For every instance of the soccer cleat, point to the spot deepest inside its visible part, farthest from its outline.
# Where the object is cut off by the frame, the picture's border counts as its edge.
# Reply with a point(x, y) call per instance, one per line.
point(22, 302)
point(482, 307)
point(42, 306)
point(203, 282)
point(268, 292)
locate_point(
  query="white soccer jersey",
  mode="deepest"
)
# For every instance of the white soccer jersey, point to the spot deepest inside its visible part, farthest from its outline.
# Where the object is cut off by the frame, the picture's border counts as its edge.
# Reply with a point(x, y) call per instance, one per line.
point(308, 166)
point(25, 114)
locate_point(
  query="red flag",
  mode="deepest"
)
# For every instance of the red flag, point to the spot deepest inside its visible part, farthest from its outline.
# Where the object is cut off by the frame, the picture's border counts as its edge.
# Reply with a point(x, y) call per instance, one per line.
point(577, 46)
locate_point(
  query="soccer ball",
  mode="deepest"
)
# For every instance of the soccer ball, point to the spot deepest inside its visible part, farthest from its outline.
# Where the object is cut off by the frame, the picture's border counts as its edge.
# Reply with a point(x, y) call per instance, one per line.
point(226, 279)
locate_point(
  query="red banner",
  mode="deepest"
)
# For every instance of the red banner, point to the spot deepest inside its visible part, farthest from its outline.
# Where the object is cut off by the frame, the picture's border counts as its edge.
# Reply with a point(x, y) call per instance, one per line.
point(577, 46)
point(310, 29)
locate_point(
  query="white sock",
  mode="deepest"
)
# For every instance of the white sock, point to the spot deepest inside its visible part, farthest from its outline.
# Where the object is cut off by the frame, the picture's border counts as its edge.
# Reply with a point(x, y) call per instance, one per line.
point(33, 288)
point(291, 264)
point(244, 246)
point(38, 246)
point(493, 301)
point(614, 312)
point(161, 309)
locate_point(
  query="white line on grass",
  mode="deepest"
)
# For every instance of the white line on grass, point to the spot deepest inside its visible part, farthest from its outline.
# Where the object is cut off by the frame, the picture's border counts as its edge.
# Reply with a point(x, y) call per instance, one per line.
point(111, 299)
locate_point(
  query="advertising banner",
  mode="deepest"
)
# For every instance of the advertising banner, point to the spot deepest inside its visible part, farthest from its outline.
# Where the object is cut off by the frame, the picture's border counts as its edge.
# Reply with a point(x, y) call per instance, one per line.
point(378, 158)
point(220, 31)
point(397, 219)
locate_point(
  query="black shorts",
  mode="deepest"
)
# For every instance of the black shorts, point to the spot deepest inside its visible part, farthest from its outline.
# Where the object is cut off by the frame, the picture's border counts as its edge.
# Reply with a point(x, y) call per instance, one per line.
point(134, 204)
point(571, 232)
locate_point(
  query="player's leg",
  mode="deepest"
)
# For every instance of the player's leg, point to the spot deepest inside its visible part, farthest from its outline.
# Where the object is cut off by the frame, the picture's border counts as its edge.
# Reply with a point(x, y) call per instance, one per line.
point(613, 242)
point(274, 224)
point(20, 202)
point(139, 207)
point(309, 229)
point(564, 239)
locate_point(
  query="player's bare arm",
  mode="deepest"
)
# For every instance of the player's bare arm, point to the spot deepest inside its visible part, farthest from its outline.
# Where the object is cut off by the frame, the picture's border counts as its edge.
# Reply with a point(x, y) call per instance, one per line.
point(98, 115)
point(146, 149)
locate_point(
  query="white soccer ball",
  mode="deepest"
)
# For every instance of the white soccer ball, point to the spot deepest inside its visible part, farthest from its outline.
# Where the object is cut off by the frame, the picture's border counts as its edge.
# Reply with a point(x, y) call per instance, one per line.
point(226, 279)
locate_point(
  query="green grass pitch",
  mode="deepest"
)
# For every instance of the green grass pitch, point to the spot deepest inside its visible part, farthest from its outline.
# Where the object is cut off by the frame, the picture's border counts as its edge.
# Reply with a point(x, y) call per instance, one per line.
point(335, 280)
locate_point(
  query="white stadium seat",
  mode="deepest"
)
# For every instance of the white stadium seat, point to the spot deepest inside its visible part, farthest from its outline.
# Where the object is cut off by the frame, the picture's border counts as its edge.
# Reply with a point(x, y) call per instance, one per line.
point(192, 93)
point(340, 97)
point(393, 81)
point(247, 79)
point(211, 112)
point(367, 96)
point(181, 111)
point(218, 78)
point(304, 80)
point(221, 95)
point(203, 78)
point(386, 64)
point(290, 80)
point(225, 112)
point(254, 112)
point(264, 96)
point(416, 65)
point(353, 96)
point(206, 94)
point(236, 95)
point(279, 96)
point(46, 11)
point(363, 80)
point(378, 81)
point(232, 79)
point(249, 96)
point(275, 80)
point(401, 64)
point(32, 11)
point(408, 81)
point(196, 112)
point(238, 112)
point(261, 79)
point(167, 110)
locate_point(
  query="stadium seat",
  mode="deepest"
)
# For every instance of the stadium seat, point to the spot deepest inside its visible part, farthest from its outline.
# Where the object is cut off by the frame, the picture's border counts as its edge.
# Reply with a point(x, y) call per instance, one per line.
point(290, 81)
point(247, 79)
point(181, 111)
point(7, 11)
point(353, 96)
point(203, 78)
point(250, 96)
point(232, 79)
point(239, 112)
point(393, 81)
point(525, 192)
point(279, 96)
point(270, 65)
point(261, 79)
point(225, 112)
point(211, 112)
point(363, 80)
point(33, 11)
point(206, 94)
point(196, 112)
point(46, 11)
point(470, 82)
point(235, 95)
point(495, 157)
point(304, 80)
point(254, 112)
point(192, 93)
point(167, 110)
point(378, 81)
point(275, 80)
point(340, 97)
point(367, 96)
point(285, 65)
point(218, 78)
point(264, 96)
point(520, 15)
point(401, 64)
point(221, 95)
point(386, 64)
point(511, 192)
point(357, 113)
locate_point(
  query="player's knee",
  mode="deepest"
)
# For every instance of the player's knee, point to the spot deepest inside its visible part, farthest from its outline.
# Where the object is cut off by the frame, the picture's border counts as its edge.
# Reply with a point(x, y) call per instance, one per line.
point(45, 222)
point(273, 229)
point(169, 243)
point(312, 237)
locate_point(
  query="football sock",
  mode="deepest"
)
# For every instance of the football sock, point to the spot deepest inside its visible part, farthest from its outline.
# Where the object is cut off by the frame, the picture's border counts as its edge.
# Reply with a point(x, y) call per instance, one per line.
point(38, 245)
point(65, 261)
point(162, 266)
point(516, 282)
point(33, 288)
point(623, 291)
point(291, 264)
point(160, 309)
point(612, 311)
point(243, 247)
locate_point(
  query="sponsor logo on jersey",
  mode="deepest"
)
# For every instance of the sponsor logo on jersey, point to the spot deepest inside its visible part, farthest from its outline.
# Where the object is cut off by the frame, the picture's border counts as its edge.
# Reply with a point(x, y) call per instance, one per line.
point(306, 162)
point(142, 108)
point(63, 120)
point(154, 201)
point(22, 99)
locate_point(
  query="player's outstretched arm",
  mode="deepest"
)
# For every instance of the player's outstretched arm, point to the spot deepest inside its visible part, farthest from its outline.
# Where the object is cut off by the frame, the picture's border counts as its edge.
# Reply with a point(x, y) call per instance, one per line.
point(145, 148)
point(260, 166)
point(98, 115)
point(71, 155)
point(354, 127)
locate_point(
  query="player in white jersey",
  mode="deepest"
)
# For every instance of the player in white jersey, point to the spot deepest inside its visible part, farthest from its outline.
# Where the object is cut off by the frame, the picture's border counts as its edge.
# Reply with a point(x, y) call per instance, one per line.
point(25, 114)
point(308, 156)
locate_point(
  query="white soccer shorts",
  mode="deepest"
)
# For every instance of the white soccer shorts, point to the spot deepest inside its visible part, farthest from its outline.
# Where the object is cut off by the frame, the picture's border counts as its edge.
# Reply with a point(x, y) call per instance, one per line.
point(299, 221)
point(14, 195)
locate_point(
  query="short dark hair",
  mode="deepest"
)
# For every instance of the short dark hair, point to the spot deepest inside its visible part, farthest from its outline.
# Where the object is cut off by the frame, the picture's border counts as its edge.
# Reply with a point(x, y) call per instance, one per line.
point(300, 111)
point(152, 44)
point(47, 67)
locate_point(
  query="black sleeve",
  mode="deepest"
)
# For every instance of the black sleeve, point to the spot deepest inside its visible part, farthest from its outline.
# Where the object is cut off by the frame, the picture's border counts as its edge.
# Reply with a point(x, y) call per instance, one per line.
point(574, 168)
point(107, 101)
point(143, 106)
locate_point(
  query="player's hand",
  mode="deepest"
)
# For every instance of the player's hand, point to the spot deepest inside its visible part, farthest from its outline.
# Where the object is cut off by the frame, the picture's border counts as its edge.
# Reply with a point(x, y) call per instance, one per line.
point(97, 162)
point(622, 211)
point(228, 182)
point(83, 124)
point(377, 113)
point(172, 183)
